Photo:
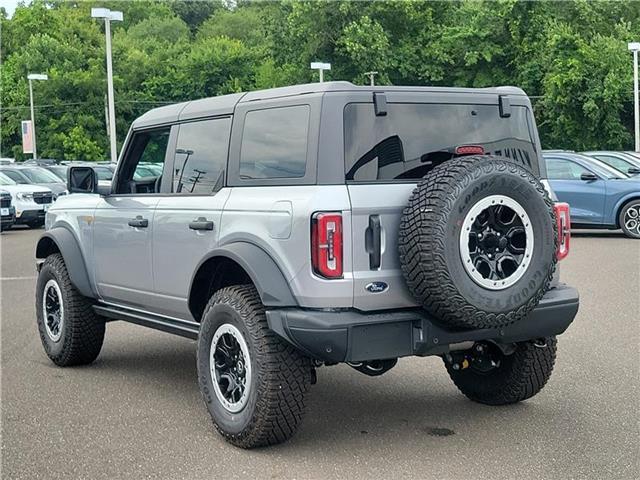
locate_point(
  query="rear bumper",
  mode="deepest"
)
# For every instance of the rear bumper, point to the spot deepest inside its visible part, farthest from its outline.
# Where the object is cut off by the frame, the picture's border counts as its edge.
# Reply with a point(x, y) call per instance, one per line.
point(356, 336)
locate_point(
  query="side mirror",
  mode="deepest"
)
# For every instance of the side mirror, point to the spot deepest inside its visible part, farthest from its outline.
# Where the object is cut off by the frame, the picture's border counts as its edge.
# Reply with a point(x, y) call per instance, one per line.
point(588, 177)
point(82, 180)
point(633, 171)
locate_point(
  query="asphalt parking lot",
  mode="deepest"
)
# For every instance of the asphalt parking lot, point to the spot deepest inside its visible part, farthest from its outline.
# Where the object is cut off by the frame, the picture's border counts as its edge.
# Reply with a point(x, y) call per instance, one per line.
point(137, 412)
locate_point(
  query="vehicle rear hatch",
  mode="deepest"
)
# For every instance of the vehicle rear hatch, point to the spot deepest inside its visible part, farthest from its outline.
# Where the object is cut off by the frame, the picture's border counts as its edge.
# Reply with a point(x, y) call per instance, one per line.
point(390, 144)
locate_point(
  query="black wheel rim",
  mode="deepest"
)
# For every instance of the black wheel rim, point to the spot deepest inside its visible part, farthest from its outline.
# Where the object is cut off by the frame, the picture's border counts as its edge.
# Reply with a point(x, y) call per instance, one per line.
point(53, 310)
point(230, 367)
point(496, 242)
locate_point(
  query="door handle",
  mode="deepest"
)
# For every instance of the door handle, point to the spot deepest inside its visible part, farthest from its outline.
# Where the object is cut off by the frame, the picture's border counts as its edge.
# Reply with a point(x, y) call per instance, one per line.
point(139, 222)
point(201, 223)
point(373, 242)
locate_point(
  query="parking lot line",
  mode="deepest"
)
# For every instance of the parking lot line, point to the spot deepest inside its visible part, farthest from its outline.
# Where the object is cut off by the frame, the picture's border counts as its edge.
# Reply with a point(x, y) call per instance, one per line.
point(17, 278)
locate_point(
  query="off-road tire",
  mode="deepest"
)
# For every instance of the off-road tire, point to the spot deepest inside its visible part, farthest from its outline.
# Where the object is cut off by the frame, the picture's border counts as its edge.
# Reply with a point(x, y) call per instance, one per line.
point(429, 237)
point(281, 375)
point(82, 329)
point(520, 375)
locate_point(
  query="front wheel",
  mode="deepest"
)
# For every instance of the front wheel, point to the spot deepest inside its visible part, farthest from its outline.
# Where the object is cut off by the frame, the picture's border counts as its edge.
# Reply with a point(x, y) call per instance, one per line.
point(252, 382)
point(630, 219)
point(486, 374)
point(71, 332)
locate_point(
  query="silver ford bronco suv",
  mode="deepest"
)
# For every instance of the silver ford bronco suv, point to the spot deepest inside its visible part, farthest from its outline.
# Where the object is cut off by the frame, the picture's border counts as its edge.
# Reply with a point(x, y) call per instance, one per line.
point(292, 228)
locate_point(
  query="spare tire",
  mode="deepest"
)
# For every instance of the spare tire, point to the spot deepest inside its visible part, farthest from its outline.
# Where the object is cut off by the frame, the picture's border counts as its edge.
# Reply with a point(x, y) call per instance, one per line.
point(477, 242)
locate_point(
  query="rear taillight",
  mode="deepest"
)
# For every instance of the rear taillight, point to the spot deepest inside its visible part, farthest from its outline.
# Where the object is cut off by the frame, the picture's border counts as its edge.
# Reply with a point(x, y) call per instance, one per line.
point(470, 150)
point(326, 244)
point(563, 221)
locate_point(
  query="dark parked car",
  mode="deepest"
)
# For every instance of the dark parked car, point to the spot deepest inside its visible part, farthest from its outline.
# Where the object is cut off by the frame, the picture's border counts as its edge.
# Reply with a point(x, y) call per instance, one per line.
point(7, 211)
point(623, 162)
point(599, 196)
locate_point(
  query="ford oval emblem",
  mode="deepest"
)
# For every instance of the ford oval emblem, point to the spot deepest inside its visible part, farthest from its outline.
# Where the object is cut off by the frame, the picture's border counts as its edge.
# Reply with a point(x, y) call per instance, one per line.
point(376, 287)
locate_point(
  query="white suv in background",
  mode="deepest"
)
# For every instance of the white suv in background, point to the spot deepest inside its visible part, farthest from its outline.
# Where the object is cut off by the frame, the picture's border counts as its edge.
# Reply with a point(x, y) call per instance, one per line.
point(30, 201)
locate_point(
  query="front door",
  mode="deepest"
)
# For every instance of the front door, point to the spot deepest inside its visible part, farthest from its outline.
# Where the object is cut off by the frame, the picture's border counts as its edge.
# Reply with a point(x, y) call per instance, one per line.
point(186, 224)
point(585, 196)
point(123, 223)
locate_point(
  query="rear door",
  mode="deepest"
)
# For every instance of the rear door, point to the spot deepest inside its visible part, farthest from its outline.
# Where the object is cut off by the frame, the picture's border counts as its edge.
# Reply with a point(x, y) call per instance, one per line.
point(187, 220)
point(386, 155)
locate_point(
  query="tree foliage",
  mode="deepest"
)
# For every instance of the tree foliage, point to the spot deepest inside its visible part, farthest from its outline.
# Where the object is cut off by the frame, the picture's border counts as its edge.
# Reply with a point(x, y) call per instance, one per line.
point(570, 56)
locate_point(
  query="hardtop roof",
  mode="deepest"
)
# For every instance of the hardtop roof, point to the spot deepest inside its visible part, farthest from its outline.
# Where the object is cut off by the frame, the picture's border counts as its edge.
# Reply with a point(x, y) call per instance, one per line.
point(225, 104)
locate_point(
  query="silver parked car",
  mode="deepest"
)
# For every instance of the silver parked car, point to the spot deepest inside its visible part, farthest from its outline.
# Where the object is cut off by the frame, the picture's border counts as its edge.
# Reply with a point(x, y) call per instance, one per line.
point(35, 175)
point(311, 225)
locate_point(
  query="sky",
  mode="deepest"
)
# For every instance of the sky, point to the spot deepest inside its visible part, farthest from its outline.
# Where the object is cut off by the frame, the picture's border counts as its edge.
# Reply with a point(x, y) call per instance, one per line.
point(10, 5)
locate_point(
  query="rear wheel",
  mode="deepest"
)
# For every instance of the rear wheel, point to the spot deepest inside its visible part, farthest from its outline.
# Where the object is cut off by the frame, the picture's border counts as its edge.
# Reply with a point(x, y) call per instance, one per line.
point(485, 374)
point(71, 332)
point(253, 382)
point(630, 219)
point(477, 242)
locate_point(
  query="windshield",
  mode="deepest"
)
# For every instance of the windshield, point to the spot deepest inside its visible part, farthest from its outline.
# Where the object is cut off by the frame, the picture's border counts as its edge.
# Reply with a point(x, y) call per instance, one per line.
point(103, 173)
point(39, 175)
point(4, 180)
point(413, 138)
point(602, 168)
point(59, 171)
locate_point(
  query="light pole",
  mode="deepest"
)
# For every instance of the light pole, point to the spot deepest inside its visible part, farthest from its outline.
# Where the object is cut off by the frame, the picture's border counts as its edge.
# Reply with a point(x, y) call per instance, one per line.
point(321, 67)
point(634, 47)
point(109, 16)
point(31, 77)
point(372, 78)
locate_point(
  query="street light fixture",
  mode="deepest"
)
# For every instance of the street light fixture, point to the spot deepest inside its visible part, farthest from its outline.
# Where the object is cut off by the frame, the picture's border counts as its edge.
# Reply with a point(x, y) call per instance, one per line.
point(372, 78)
point(635, 47)
point(31, 77)
point(109, 16)
point(321, 67)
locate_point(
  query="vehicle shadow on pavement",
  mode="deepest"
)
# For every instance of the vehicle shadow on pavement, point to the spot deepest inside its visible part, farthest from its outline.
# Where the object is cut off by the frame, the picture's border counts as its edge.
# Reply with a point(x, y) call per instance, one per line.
point(598, 234)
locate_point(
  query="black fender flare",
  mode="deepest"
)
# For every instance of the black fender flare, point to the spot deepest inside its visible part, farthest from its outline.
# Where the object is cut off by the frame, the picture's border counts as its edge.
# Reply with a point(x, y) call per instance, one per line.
point(265, 274)
point(69, 248)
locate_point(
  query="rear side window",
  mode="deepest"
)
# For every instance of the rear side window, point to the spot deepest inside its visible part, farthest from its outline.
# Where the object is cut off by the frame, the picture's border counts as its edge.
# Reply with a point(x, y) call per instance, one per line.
point(201, 156)
point(415, 137)
point(274, 143)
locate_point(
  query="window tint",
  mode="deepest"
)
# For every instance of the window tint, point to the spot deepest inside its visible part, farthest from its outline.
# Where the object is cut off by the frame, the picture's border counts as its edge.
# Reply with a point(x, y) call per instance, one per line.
point(201, 156)
point(274, 143)
point(413, 138)
point(558, 169)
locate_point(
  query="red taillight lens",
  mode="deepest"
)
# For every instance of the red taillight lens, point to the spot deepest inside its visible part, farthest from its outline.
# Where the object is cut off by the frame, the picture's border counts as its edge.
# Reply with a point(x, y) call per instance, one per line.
point(470, 150)
point(326, 244)
point(563, 220)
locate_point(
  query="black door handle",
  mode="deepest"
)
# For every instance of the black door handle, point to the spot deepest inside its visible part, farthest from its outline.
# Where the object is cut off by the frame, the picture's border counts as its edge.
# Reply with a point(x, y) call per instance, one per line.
point(201, 223)
point(373, 242)
point(139, 222)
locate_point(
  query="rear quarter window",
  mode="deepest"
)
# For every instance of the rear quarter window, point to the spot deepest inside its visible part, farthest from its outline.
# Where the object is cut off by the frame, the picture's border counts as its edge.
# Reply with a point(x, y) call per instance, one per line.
point(415, 137)
point(274, 143)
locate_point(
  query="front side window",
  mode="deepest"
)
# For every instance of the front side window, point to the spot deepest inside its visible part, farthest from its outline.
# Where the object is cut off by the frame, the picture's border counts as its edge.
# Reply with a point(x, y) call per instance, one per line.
point(274, 143)
point(201, 156)
point(413, 138)
point(145, 148)
point(559, 169)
